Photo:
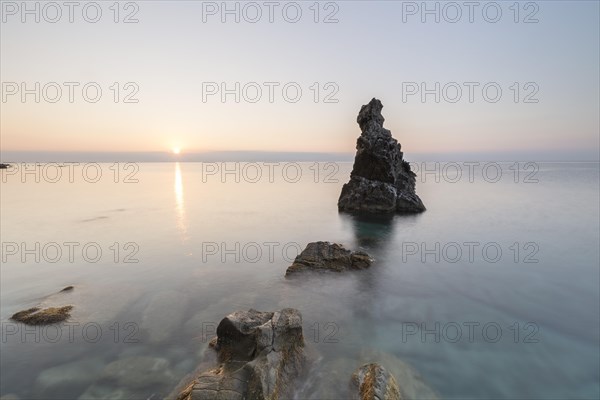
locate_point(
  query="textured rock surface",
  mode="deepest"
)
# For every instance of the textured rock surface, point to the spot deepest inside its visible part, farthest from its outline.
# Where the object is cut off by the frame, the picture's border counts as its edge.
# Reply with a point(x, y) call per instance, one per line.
point(260, 355)
point(325, 256)
point(38, 316)
point(381, 181)
point(373, 382)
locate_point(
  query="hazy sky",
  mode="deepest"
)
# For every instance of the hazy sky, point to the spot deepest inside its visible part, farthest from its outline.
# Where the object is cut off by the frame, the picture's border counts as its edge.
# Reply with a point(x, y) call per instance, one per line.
point(179, 50)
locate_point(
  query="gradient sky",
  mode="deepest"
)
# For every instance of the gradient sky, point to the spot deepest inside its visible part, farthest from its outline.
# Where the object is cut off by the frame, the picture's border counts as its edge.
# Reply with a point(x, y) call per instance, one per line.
point(369, 53)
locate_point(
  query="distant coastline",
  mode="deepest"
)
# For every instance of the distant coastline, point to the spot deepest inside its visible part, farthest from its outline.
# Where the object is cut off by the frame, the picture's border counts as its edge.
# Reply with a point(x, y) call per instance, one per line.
point(13, 157)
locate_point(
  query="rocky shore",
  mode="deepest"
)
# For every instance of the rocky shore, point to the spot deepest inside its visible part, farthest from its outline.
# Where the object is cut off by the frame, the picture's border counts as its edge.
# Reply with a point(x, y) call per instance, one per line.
point(263, 355)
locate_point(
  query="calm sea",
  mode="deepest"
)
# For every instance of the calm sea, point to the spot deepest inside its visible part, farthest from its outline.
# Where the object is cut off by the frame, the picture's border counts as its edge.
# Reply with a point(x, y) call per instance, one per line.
point(492, 293)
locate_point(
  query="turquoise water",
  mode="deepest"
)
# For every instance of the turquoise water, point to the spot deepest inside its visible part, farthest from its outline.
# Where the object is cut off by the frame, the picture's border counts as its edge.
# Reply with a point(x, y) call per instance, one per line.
point(206, 245)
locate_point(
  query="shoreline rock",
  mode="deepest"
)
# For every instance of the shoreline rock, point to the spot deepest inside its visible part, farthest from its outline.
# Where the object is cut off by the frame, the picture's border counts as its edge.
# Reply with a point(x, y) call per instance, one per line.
point(326, 256)
point(381, 180)
point(260, 356)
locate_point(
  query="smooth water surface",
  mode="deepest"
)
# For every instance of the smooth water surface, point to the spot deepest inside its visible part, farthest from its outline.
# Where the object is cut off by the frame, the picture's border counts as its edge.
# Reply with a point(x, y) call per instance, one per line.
point(493, 292)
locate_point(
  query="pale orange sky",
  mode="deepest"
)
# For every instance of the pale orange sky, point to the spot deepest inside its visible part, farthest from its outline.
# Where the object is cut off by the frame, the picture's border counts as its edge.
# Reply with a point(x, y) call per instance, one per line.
point(366, 54)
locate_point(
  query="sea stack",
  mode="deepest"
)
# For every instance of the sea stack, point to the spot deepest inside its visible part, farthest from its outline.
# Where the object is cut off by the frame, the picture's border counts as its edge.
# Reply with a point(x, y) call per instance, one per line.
point(381, 181)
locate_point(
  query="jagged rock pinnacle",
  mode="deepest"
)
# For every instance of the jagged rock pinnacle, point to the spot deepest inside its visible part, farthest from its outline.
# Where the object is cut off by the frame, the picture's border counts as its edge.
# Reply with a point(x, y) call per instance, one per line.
point(370, 112)
point(381, 181)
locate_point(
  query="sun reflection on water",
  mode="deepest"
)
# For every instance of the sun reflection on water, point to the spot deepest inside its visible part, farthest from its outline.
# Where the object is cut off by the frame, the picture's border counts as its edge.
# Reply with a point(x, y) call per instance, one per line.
point(179, 204)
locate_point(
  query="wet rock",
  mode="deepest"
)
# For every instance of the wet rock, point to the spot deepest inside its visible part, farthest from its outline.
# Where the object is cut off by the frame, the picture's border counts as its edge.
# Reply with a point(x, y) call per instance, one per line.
point(373, 382)
point(325, 256)
point(381, 181)
point(4, 166)
point(46, 316)
point(331, 378)
point(260, 356)
point(67, 289)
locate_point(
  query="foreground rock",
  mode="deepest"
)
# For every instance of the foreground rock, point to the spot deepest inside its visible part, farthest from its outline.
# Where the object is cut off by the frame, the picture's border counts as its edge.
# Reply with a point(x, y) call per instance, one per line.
point(332, 379)
point(381, 181)
point(260, 356)
point(325, 256)
point(38, 316)
point(373, 382)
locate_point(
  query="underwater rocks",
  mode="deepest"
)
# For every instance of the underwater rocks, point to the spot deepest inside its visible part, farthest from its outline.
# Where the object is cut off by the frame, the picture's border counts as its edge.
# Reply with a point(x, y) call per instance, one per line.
point(373, 382)
point(46, 316)
point(325, 256)
point(260, 356)
point(381, 181)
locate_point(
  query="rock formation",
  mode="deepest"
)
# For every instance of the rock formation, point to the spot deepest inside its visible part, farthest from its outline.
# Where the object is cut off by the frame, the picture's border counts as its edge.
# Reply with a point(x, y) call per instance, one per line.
point(325, 256)
point(260, 355)
point(381, 181)
point(373, 382)
point(46, 316)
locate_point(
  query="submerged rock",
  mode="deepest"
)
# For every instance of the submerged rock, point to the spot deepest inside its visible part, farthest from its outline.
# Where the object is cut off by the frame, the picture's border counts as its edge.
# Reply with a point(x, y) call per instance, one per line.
point(260, 356)
point(325, 256)
point(381, 181)
point(139, 372)
point(38, 316)
point(373, 382)
point(162, 317)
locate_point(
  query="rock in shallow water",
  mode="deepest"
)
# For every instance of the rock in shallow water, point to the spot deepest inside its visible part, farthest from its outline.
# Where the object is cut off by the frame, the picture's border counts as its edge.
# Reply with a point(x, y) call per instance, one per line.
point(261, 354)
point(381, 181)
point(325, 256)
point(373, 382)
point(46, 316)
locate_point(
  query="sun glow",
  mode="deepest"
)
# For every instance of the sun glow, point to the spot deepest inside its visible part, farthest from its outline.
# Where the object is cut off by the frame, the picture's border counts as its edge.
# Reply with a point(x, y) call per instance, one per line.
point(176, 150)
